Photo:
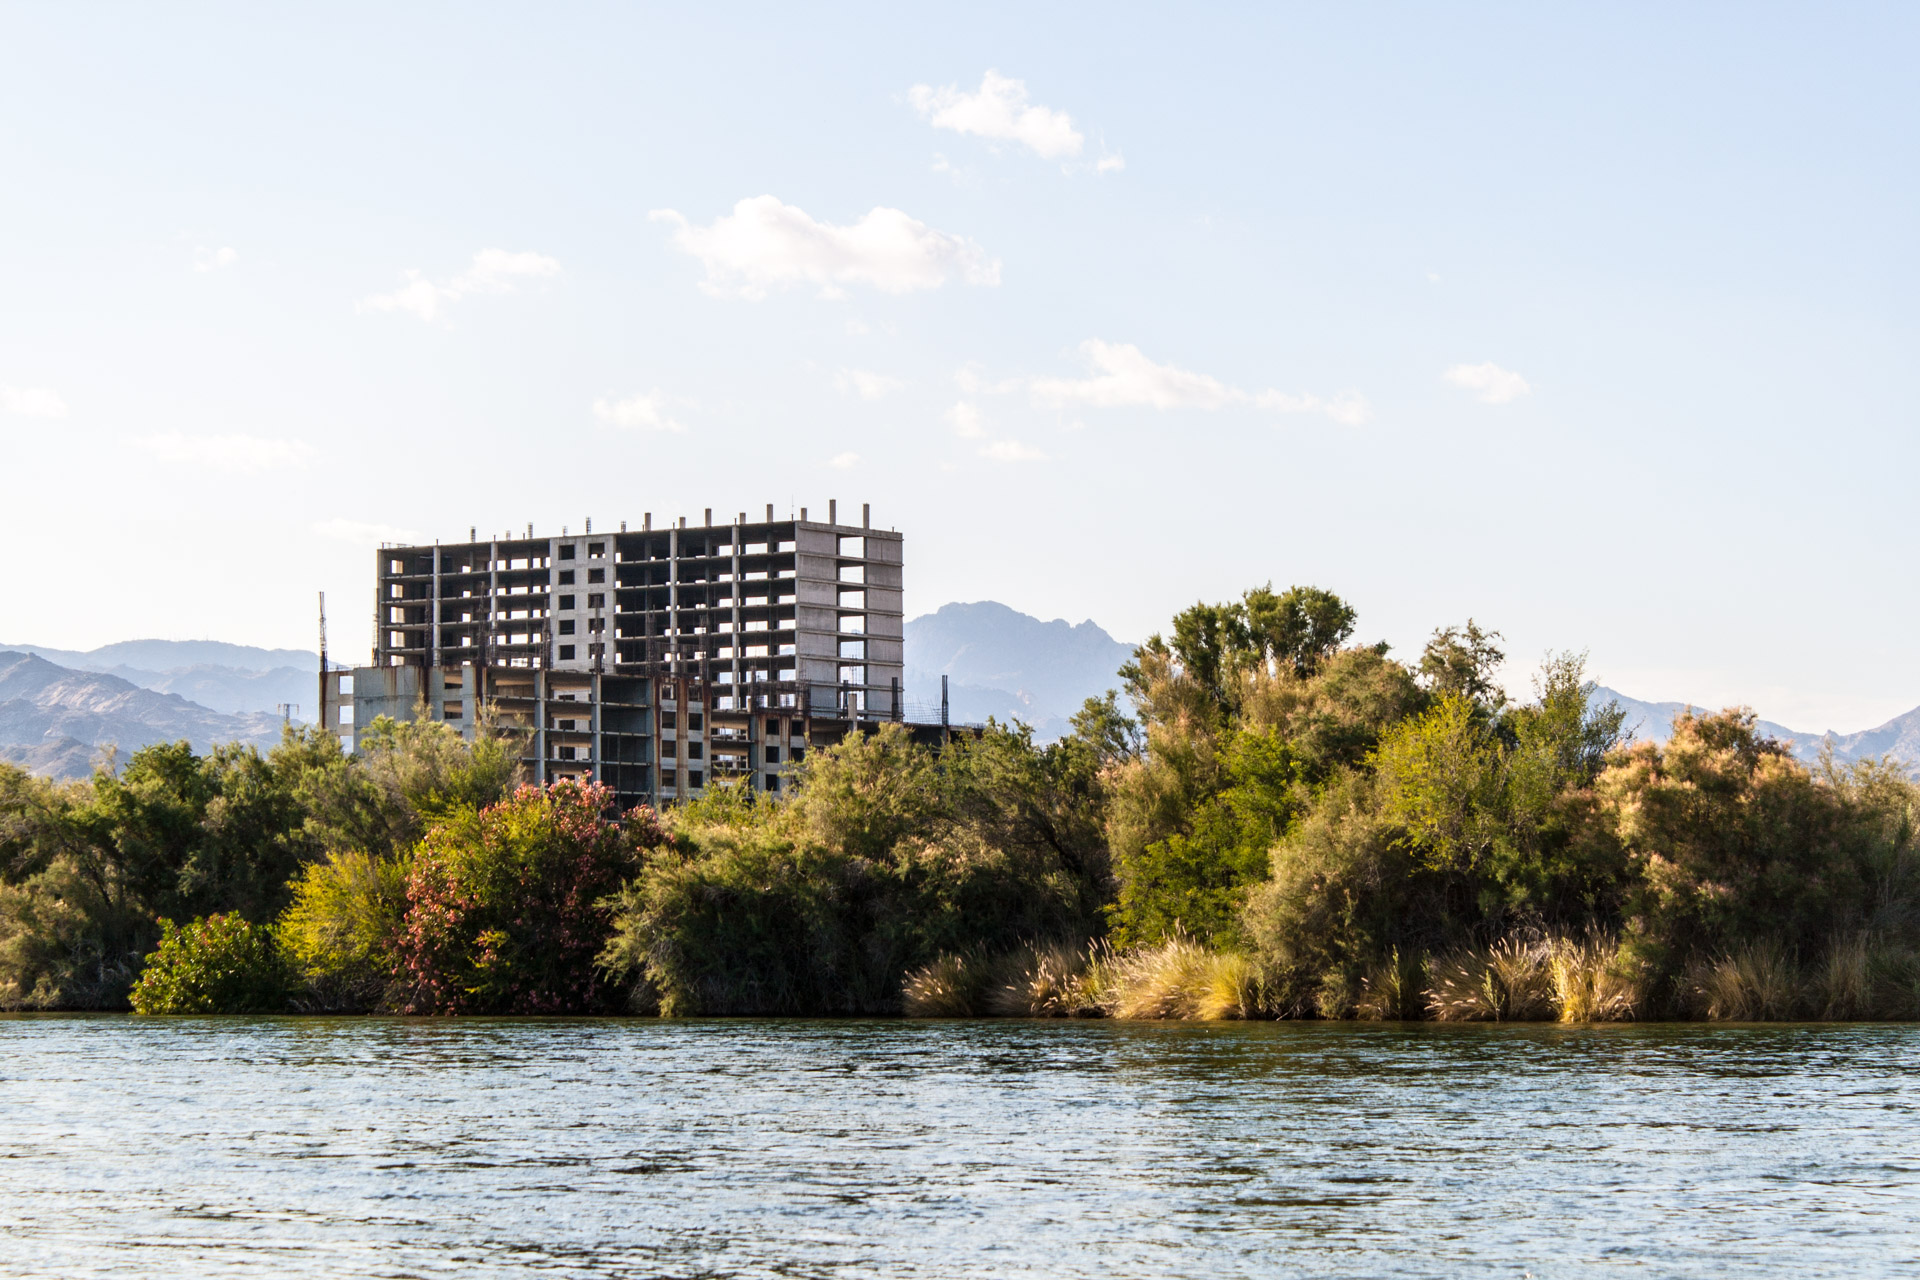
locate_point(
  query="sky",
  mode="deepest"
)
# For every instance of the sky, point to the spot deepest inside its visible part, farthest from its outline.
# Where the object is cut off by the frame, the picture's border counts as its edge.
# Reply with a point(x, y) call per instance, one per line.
point(1593, 323)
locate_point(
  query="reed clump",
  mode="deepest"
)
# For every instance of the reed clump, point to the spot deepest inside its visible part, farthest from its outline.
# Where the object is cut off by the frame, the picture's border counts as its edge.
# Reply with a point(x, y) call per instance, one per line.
point(1181, 979)
point(1394, 989)
point(1178, 980)
point(1590, 983)
point(1510, 981)
point(1757, 982)
point(950, 986)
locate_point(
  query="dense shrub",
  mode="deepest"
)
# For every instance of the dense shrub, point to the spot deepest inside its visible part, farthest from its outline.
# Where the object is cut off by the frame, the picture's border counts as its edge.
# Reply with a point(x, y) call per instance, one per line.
point(506, 908)
point(341, 934)
point(885, 858)
point(219, 964)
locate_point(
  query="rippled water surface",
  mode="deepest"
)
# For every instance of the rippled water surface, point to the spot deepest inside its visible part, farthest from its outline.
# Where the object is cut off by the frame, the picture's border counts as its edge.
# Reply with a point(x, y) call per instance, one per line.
point(310, 1147)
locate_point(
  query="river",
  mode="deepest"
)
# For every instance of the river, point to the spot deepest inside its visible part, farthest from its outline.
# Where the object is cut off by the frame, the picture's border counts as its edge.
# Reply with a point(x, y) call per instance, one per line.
point(391, 1147)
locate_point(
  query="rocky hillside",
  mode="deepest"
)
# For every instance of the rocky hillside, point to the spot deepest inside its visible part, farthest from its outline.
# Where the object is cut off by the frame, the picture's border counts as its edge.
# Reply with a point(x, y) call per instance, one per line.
point(54, 720)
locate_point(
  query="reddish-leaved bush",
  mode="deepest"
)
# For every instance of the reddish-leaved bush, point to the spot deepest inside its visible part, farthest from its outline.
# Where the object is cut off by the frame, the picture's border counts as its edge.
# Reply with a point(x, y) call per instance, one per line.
point(504, 909)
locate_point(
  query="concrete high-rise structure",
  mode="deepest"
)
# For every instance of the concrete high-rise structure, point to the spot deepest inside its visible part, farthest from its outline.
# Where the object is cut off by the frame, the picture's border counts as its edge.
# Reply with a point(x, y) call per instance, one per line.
point(654, 659)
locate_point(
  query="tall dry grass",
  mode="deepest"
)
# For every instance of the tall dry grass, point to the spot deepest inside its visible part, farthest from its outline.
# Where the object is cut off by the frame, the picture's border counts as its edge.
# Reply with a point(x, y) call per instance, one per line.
point(1041, 981)
point(1519, 979)
point(951, 986)
point(1758, 982)
point(1179, 979)
point(1511, 981)
point(1589, 984)
point(1394, 989)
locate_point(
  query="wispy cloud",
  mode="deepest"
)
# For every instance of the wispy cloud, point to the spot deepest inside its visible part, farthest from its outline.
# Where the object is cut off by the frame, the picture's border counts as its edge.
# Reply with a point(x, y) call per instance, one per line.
point(1121, 376)
point(492, 271)
point(1012, 451)
point(845, 461)
point(1489, 382)
point(32, 402)
point(868, 386)
point(234, 453)
point(364, 533)
point(646, 411)
point(205, 259)
point(999, 110)
point(764, 245)
point(965, 420)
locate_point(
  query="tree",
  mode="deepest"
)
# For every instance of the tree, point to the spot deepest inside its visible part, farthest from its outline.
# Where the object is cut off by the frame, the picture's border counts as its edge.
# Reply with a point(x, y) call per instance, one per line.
point(1301, 627)
point(507, 907)
point(1465, 661)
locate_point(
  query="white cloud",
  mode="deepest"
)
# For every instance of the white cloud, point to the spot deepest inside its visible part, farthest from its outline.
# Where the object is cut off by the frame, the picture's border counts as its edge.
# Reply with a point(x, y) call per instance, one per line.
point(205, 259)
point(32, 402)
point(1491, 383)
point(1122, 376)
point(764, 244)
point(365, 534)
point(227, 453)
point(1348, 408)
point(646, 411)
point(1113, 163)
point(1012, 451)
point(999, 111)
point(491, 271)
point(844, 461)
point(868, 386)
point(965, 420)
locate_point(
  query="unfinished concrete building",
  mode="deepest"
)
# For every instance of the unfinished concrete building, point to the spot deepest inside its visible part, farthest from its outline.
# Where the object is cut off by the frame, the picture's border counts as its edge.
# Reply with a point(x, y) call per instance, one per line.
point(655, 660)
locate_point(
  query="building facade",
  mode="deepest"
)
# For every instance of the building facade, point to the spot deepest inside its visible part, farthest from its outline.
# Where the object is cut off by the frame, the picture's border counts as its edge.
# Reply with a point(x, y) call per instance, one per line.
point(655, 660)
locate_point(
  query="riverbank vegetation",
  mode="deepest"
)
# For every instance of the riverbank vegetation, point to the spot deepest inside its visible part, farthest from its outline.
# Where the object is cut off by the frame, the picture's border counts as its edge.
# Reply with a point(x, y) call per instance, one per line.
point(1269, 821)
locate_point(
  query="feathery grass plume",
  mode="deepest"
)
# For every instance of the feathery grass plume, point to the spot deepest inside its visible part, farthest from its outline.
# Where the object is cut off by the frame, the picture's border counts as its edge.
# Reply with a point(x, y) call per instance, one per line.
point(1039, 980)
point(1181, 979)
point(1588, 983)
point(1393, 990)
point(1758, 982)
point(950, 986)
point(1510, 981)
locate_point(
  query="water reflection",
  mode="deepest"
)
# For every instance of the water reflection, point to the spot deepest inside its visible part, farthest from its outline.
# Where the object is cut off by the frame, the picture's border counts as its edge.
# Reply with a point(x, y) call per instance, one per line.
point(359, 1147)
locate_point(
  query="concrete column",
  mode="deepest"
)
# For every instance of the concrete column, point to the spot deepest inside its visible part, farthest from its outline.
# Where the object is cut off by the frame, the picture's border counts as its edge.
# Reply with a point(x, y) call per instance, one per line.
point(433, 615)
point(488, 639)
point(739, 531)
point(673, 600)
point(540, 725)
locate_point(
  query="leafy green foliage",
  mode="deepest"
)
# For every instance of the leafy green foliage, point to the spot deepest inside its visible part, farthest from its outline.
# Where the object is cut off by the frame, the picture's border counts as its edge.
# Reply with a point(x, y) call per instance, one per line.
point(1731, 840)
point(219, 964)
point(341, 932)
point(1464, 662)
point(885, 857)
point(86, 869)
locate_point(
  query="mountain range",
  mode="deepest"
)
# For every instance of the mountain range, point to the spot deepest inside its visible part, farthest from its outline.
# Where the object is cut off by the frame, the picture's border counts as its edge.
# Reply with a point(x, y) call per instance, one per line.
point(230, 678)
point(55, 721)
point(59, 708)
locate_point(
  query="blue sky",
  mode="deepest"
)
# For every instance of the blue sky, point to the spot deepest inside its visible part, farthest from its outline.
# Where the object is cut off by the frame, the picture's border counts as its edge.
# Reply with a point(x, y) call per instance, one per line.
point(1594, 324)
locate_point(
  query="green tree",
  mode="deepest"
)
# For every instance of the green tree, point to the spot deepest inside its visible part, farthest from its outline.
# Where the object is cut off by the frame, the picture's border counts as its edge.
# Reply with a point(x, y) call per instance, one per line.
point(1465, 662)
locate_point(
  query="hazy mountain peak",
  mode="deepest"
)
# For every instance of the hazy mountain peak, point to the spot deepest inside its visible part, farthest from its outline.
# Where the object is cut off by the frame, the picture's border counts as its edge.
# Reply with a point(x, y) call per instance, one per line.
point(1011, 665)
